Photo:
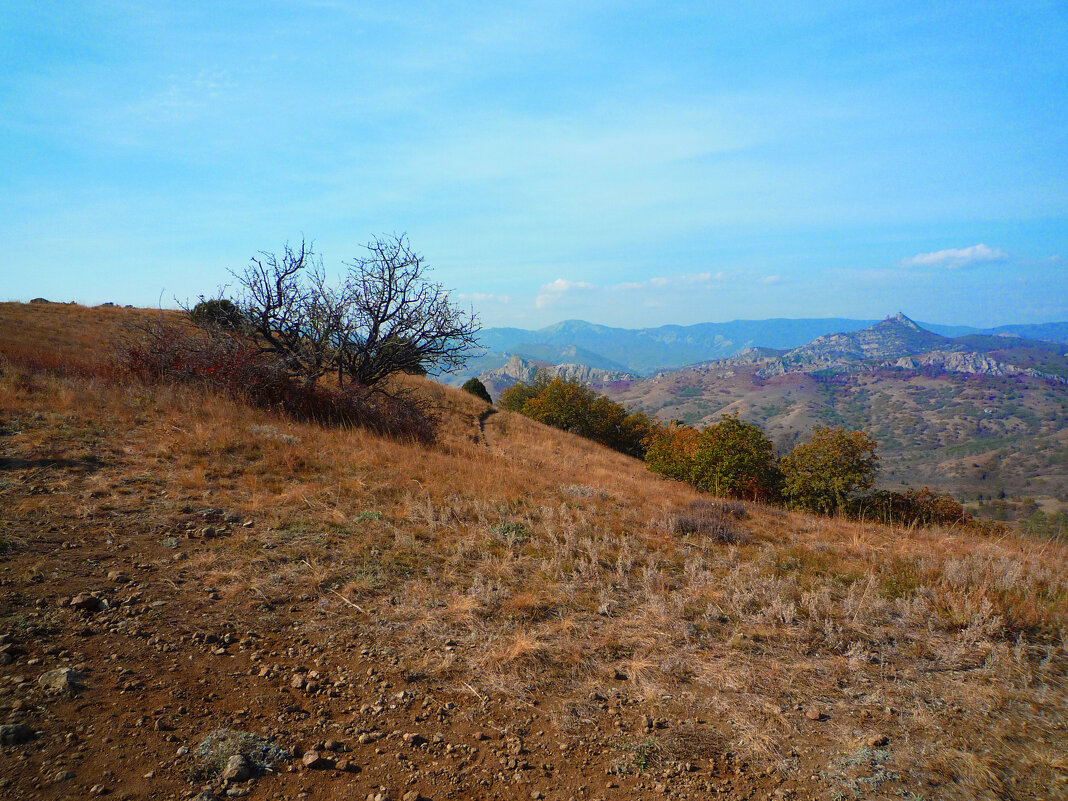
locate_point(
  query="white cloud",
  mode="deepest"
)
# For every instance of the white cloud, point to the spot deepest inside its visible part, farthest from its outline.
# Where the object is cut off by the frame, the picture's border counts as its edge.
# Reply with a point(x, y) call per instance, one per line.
point(555, 289)
point(956, 258)
point(771, 279)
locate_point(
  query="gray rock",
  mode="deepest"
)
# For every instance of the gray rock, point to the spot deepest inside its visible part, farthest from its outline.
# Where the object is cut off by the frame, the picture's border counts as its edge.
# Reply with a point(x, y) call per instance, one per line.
point(315, 760)
point(236, 770)
point(61, 680)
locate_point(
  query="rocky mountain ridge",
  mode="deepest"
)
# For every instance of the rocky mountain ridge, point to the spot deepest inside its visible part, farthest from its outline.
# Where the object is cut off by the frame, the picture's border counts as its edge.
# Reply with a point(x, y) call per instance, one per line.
point(517, 369)
point(899, 343)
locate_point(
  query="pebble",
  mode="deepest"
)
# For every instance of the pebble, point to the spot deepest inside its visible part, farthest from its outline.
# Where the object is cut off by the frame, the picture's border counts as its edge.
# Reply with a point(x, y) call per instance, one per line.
point(64, 776)
point(813, 713)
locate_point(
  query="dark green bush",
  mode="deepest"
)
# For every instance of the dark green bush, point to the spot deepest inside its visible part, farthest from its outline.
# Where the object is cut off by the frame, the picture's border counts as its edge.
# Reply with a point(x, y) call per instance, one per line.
point(475, 387)
point(220, 312)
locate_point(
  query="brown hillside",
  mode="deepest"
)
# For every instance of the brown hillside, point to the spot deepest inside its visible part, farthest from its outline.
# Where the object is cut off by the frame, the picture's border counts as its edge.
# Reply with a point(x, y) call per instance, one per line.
point(512, 613)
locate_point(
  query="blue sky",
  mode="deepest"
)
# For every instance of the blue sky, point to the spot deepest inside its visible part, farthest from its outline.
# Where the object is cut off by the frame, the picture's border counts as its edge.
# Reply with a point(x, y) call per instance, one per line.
point(627, 163)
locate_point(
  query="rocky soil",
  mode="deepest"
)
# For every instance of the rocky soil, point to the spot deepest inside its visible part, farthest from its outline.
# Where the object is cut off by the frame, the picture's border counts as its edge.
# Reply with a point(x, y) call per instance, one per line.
point(121, 673)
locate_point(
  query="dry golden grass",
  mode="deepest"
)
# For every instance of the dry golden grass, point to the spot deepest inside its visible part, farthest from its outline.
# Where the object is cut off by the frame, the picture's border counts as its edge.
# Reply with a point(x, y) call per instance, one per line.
point(527, 562)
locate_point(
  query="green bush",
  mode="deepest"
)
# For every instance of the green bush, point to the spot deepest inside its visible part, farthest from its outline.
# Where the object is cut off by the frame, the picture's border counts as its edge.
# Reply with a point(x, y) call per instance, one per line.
point(820, 475)
point(515, 397)
point(219, 312)
point(731, 458)
point(475, 387)
point(576, 408)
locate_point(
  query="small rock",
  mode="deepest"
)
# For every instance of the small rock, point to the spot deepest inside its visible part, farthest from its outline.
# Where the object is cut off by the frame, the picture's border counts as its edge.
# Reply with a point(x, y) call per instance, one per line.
point(877, 741)
point(236, 770)
point(334, 745)
point(297, 682)
point(647, 723)
point(64, 776)
point(814, 713)
point(381, 795)
point(412, 795)
point(118, 576)
point(61, 680)
point(98, 789)
point(414, 740)
point(619, 675)
point(236, 792)
point(86, 602)
point(313, 760)
point(15, 734)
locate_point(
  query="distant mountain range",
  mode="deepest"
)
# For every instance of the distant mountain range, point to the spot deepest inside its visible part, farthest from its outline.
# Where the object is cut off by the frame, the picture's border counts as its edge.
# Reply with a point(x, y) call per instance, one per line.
point(985, 416)
point(645, 351)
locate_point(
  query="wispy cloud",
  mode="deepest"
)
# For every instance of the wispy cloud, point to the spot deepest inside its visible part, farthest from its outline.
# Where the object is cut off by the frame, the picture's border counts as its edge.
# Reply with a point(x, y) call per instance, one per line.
point(956, 258)
point(555, 290)
point(483, 297)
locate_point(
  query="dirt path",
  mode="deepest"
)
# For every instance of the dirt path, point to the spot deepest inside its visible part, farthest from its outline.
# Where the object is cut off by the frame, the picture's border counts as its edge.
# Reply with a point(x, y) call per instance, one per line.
point(482, 418)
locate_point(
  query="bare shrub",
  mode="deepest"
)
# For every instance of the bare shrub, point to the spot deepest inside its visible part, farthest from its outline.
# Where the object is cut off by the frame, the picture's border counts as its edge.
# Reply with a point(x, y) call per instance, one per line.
point(160, 352)
point(714, 520)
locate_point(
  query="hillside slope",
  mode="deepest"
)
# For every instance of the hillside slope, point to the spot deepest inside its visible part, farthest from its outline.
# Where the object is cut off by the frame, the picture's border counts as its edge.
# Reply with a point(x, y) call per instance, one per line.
point(513, 613)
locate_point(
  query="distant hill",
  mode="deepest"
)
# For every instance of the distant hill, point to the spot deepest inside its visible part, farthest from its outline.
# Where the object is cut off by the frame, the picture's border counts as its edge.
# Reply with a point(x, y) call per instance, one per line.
point(644, 351)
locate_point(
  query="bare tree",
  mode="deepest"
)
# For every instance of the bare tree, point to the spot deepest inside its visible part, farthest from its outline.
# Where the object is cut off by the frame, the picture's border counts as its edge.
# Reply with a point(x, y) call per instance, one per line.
point(383, 318)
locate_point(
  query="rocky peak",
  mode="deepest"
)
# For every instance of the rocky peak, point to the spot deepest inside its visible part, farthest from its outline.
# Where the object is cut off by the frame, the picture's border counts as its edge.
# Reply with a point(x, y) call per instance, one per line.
point(901, 319)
